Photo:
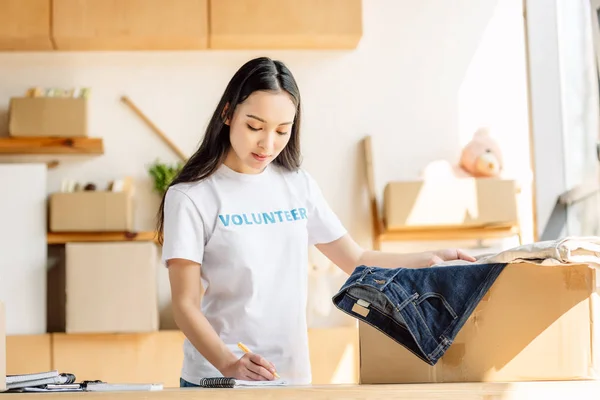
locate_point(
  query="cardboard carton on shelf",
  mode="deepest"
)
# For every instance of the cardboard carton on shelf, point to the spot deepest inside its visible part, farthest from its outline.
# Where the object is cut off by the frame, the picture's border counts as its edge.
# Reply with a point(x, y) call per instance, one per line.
point(92, 211)
point(48, 117)
point(453, 203)
point(536, 323)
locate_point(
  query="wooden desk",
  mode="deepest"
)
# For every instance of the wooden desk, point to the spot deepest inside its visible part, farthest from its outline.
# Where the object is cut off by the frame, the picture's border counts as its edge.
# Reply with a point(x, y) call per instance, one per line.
point(582, 390)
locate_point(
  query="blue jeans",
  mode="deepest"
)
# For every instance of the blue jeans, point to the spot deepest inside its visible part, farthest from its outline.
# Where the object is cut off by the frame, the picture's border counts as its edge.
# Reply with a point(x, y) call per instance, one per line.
point(183, 383)
point(421, 309)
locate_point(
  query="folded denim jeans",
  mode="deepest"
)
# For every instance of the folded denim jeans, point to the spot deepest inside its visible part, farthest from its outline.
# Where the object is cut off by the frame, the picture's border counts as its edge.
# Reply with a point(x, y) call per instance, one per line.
point(422, 309)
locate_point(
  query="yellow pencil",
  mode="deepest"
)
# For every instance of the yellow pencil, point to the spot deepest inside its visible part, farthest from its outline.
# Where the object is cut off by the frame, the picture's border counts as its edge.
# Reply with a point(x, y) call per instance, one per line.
point(245, 349)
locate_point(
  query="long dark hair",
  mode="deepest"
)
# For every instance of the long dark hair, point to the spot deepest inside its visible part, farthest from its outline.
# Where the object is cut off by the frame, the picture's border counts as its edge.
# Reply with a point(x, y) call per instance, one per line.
point(260, 73)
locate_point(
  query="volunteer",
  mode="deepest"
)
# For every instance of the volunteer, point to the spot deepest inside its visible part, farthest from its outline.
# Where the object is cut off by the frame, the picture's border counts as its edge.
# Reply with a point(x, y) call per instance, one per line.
point(237, 223)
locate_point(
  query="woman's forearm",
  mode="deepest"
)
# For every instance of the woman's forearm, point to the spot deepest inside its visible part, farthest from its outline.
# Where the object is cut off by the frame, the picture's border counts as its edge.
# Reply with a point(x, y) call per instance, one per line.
point(396, 260)
point(201, 334)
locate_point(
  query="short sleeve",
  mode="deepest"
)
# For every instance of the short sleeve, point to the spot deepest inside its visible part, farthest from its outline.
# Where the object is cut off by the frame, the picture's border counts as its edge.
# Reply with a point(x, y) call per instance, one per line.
point(323, 224)
point(183, 235)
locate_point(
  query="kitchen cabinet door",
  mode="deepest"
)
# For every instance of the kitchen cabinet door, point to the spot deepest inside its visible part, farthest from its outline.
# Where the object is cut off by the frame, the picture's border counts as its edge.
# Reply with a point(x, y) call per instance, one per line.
point(130, 24)
point(25, 25)
point(285, 24)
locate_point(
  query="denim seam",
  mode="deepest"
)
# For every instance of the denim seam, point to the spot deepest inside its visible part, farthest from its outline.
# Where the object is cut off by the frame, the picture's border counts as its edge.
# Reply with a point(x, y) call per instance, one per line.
point(468, 311)
point(406, 302)
point(364, 274)
point(390, 280)
point(416, 311)
point(442, 298)
point(444, 344)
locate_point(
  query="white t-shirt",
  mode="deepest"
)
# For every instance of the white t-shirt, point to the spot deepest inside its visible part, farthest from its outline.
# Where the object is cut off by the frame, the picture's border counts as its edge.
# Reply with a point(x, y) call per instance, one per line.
point(250, 233)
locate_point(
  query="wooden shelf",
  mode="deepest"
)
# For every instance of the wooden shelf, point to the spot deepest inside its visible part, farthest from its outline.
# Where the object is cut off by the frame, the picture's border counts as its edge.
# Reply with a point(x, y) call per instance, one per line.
point(51, 145)
point(70, 237)
point(457, 233)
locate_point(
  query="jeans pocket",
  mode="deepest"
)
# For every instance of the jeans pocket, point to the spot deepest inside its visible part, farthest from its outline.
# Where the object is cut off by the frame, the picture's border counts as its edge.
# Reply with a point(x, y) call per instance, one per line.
point(436, 311)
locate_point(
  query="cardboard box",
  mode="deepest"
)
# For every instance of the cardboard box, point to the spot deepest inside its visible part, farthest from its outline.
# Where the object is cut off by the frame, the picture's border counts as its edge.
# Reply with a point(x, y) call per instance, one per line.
point(104, 288)
point(2, 347)
point(48, 116)
point(334, 355)
point(27, 354)
point(91, 211)
point(536, 323)
point(121, 358)
point(465, 202)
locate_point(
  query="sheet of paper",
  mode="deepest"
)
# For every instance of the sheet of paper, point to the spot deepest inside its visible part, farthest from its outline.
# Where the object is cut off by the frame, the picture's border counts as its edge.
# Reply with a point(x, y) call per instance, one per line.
point(278, 382)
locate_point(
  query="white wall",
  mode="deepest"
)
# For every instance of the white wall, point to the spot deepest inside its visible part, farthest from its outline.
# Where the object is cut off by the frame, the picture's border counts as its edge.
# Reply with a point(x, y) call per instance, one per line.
point(425, 75)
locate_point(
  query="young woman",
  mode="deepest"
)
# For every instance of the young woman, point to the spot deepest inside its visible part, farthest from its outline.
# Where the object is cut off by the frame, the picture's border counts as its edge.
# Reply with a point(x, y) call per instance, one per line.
point(237, 222)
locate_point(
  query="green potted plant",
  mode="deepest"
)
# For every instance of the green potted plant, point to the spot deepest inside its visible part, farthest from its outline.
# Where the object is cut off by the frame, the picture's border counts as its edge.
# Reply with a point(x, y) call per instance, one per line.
point(163, 174)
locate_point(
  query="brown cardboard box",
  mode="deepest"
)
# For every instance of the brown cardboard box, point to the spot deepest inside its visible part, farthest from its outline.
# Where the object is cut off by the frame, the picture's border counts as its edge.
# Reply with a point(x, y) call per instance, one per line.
point(334, 355)
point(91, 211)
point(104, 288)
point(121, 358)
point(450, 203)
point(27, 354)
point(48, 116)
point(536, 323)
point(2, 347)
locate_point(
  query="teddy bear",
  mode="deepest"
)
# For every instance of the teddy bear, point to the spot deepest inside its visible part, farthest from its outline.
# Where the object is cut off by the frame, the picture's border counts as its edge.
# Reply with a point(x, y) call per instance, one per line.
point(481, 157)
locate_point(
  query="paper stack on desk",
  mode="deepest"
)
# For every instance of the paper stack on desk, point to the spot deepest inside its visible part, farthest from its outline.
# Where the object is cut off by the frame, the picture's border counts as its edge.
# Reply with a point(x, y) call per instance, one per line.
point(53, 381)
point(38, 379)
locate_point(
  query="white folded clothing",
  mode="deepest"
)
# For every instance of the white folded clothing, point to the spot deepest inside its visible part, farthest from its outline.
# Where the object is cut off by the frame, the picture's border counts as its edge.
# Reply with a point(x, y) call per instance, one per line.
point(568, 250)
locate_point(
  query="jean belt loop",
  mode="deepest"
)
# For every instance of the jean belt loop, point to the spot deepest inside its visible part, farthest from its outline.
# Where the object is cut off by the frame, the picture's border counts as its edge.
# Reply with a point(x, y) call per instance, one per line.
point(410, 298)
point(382, 288)
point(364, 274)
point(390, 279)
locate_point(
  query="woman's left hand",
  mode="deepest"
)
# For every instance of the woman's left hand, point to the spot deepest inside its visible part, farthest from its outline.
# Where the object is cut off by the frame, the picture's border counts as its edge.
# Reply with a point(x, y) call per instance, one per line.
point(450, 255)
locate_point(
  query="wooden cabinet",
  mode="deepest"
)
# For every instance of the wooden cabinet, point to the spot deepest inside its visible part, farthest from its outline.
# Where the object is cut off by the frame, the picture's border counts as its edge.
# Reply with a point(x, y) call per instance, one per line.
point(28, 354)
point(285, 24)
point(158, 356)
point(130, 24)
point(25, 25)
point(120, 358)
point(114, 25)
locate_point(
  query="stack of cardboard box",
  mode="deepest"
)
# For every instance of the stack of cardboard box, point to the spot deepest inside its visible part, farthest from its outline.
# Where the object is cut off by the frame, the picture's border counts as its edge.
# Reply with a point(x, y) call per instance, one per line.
point(102, 301)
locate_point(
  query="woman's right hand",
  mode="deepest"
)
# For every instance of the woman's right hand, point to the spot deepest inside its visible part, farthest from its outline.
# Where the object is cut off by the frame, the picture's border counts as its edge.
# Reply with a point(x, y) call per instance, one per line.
point(250, 367)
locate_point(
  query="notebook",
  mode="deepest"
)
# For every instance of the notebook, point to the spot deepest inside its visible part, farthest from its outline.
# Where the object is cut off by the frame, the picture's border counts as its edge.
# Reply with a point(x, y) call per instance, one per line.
point(38, 379)
point(219, 382)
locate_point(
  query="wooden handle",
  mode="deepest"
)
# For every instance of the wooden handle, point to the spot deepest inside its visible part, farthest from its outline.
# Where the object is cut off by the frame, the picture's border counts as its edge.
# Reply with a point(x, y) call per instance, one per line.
point(152, 126)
